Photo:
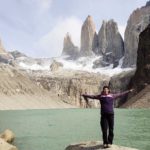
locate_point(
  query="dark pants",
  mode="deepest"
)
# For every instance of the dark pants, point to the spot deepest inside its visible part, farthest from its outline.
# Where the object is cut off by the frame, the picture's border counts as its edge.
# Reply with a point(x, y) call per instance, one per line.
point(107, 126)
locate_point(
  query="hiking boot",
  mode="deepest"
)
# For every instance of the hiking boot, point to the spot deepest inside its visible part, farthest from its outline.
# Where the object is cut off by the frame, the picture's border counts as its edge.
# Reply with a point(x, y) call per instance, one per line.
point(109, 145)
point(105, 146)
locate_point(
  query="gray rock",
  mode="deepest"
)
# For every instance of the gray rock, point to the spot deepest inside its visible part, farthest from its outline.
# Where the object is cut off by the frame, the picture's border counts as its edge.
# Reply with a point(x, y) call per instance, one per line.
point(69, 48)
point(137, 22)
point(87, 35)
point(110, 42)
point(100, 63)
point(6, 58)
point(55, 66)
point(17, 54)
point(95, 145)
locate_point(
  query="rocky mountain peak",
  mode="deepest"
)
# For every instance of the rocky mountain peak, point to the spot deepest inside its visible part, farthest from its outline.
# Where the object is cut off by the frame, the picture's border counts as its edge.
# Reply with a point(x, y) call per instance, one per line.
point(89, 19)
point(148, 3)
point(17, 54)
point(111, 44)
point(2, 50)
point(87, 35)
point(137, 22)
point(69, 48)
point(68, 41)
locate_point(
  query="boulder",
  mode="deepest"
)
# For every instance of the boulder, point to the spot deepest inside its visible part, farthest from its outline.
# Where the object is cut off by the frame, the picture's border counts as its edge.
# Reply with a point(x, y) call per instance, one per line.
point(95, 145)
point(55, 66)
point(6, 146)
point(8, 136)
point(137, 22)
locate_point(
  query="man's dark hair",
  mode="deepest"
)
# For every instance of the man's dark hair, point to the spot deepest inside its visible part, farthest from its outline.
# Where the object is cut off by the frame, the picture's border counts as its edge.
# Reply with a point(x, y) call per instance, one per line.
point(106, 86)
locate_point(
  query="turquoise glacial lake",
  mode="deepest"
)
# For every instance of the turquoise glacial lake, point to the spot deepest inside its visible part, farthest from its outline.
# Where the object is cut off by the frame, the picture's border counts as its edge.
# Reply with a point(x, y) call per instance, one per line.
point(54, 129)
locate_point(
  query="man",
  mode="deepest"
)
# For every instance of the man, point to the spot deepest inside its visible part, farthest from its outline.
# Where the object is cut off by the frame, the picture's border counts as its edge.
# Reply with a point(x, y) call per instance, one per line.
point(106, 99)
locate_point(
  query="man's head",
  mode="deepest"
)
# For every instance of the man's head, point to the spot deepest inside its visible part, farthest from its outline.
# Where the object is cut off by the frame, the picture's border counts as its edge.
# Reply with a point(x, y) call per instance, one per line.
point(106, 90)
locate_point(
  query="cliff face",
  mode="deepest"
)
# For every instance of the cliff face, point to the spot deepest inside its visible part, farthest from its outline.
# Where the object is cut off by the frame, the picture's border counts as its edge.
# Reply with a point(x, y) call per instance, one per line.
point(138, 21)
point(18, 91)
point(87, 35)
point(119, 83)
point(141, 80)
point(69, 48)
point(69, 85)
point(142, 75)
point(111, 44)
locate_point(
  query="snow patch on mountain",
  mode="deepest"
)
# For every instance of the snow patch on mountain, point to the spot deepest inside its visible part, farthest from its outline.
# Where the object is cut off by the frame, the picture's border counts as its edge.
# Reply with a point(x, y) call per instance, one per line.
point(81, 64)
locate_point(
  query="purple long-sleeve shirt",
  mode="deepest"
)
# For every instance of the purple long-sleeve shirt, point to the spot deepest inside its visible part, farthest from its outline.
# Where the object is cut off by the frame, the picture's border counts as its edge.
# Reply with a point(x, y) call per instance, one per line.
point(107, 101)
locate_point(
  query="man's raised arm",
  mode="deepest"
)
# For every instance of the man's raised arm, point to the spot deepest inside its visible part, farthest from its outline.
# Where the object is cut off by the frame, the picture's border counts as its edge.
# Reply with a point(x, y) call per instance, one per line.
point(122, 93)
point(92, 96)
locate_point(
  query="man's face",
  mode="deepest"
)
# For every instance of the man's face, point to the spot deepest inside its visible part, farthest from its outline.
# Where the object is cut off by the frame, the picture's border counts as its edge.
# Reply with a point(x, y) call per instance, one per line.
point(106, 90)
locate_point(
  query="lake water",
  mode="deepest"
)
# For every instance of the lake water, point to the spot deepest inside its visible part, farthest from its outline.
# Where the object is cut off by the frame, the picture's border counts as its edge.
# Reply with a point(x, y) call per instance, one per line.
point(54, 129)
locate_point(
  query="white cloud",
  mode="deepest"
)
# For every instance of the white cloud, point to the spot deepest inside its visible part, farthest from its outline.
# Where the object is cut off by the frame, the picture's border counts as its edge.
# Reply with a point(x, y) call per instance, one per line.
point(121, 29)
point(44, 4)
point(51, 44)
point(38, 5)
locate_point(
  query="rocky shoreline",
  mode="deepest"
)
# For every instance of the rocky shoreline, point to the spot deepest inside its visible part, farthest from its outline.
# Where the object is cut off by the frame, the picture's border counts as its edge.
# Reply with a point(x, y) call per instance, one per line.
point(95, 145)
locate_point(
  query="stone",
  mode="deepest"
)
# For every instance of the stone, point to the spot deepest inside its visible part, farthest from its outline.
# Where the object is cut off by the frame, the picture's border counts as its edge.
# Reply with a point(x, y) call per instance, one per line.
point(8, 136)
point(69, 48)
point(137, 22)
point(95, 145)
point(87, 36)
point(6, 146)
point(111, 44)
point(55, 66)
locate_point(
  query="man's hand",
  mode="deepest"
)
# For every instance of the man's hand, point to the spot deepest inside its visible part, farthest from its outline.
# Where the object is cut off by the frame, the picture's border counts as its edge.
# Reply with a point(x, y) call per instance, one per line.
point(83, 95)
point(131, 90)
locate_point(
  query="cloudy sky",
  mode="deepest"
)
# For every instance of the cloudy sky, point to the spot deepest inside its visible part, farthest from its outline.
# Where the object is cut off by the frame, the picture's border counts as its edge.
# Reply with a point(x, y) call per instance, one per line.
point(37, 27)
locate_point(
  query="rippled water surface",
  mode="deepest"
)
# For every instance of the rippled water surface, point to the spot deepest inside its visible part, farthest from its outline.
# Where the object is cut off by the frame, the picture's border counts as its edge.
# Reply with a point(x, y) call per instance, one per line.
point(54, 129)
